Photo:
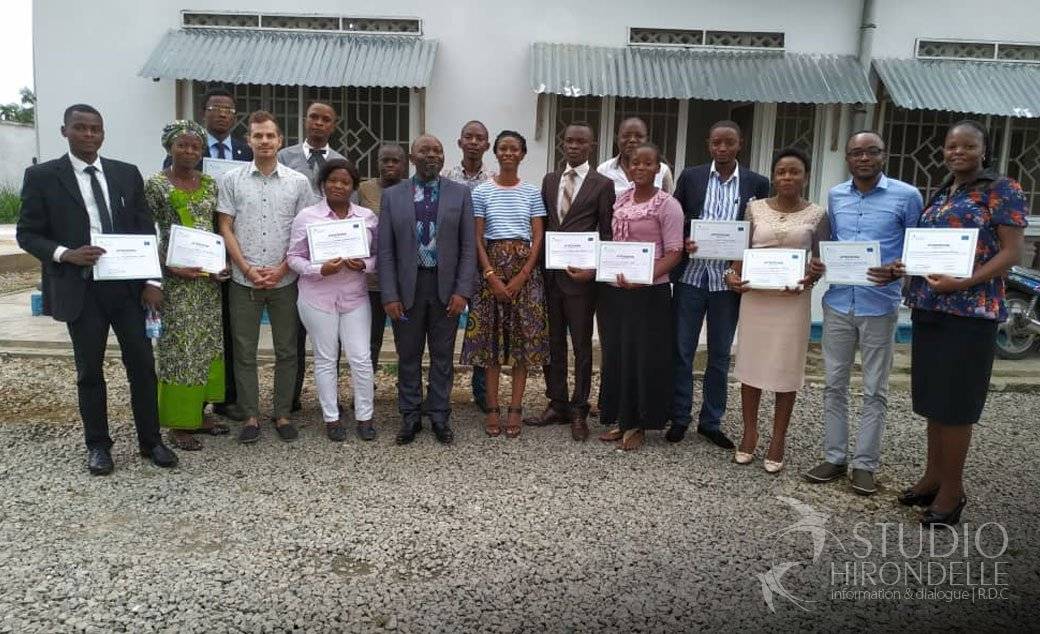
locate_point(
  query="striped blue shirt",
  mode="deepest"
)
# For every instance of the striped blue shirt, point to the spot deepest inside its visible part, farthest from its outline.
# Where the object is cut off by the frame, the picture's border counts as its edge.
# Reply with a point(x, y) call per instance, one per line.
point(507, 211)
point(721, 202)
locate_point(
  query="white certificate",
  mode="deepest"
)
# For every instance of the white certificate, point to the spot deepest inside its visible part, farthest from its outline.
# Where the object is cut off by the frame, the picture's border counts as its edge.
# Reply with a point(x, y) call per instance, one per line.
point(337, 239)
point(720, 239)
point(773, 268)
point(217, 167)
point(195, 248)
point(567, 248)
point(127, 257)
point(847, 262)
point(634, 260)
point(940, 251)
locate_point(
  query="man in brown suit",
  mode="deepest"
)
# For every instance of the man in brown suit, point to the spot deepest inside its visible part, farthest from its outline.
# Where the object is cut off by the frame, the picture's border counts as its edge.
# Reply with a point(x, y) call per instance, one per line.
point(577, 198)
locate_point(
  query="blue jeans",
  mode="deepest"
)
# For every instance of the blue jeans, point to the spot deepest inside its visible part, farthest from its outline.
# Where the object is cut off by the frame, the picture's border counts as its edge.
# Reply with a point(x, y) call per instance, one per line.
point(690, 305)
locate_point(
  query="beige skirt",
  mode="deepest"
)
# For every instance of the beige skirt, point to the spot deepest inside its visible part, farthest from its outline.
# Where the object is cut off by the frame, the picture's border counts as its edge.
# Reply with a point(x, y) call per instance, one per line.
point(773, 340)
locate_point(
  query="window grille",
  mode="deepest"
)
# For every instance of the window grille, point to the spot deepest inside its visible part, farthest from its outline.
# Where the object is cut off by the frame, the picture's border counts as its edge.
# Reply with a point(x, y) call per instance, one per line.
point(570, 110)
point(795, 127)
point(300, 22)
point(1023, 162)
point(932, 49)
point(1019, 52)
point(666, 37)
point(221, 20)
point(744, 39)
point(699, 37)
point(661, 117)
point(332, 23)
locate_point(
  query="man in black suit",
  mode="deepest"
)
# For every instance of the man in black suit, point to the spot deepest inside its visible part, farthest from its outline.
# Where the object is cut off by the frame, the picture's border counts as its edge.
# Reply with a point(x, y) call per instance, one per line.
point(577, 199)
point(427, 272)
point(720, 190)
point(63, 202)
point(218, 117)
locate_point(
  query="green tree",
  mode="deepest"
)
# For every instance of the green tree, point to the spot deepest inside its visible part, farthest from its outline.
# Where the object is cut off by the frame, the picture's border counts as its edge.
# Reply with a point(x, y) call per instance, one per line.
point(24, 112)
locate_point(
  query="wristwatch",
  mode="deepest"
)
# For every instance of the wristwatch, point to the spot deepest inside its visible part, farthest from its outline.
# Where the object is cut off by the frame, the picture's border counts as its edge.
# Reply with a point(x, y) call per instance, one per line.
point(728, 272)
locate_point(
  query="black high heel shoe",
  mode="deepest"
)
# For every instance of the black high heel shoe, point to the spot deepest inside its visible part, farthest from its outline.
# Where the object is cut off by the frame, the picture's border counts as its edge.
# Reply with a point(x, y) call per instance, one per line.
point(909, 497)
point(950, 518)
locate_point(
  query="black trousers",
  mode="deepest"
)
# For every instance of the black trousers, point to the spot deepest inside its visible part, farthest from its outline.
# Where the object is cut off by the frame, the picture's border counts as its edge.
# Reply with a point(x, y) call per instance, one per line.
point(116, 305)
point(573, 314)
point(428, 323)
point(230, 393)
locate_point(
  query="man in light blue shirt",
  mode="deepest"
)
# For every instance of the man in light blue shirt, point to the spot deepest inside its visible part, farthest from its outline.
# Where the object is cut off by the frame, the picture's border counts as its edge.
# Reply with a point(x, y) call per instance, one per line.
point(868, 207)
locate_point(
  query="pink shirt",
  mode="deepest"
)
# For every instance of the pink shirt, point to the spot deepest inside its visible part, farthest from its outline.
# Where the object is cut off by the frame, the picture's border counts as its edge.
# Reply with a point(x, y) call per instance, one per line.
point(658, 220)
point(344, 290)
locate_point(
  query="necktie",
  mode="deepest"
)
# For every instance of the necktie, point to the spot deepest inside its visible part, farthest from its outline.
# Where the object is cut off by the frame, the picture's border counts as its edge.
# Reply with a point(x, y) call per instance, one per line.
point(316, 159)
point(220, 150)
point(99, 199)
point(570, 181)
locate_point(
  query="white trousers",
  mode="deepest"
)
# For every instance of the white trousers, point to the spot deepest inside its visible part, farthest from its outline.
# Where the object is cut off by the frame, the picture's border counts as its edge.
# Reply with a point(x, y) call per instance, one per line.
point(328, 331)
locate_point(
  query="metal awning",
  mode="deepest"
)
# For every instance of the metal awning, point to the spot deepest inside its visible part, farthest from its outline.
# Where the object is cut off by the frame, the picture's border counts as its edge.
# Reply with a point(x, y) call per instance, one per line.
point(995, 88)
point(675, 73)
point(253, 56)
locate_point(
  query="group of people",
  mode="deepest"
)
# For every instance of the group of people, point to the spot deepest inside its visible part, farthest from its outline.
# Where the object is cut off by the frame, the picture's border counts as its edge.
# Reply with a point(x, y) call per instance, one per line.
point(445, 240)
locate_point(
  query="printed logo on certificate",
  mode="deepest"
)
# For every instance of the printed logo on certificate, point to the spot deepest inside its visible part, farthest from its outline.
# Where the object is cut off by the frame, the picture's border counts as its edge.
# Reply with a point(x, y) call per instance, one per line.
point(940, 251)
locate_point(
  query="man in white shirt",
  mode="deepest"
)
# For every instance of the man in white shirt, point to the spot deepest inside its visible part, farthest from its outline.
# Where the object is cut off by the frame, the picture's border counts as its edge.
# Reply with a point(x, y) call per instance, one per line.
point(630, 135)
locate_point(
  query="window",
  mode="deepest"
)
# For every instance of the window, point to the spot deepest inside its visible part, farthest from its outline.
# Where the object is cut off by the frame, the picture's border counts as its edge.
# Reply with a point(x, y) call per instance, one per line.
point(661, 117)
point(984, 51)
point(700, 38)
point(338, 23)
point(368, 116)
point(1023, 161)
point(795, 127)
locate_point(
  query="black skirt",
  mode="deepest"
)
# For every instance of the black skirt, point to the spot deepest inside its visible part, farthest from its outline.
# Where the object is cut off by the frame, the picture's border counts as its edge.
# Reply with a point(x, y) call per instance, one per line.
point(636, 339)
point(951, 362)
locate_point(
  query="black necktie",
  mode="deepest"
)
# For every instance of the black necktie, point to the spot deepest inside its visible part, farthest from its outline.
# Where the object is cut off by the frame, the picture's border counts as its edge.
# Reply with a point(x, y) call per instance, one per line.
point(99, 199)
point(220, 150)
point(317, 158)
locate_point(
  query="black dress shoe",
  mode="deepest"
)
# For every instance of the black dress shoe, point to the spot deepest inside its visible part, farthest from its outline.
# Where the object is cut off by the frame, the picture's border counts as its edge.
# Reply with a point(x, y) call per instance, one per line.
point(161, 456)
point(443, 433)
point(909, 497)
point(407, 432)
point(949, 518)
point(675, 433)
point(717, 438)
point(99, 461)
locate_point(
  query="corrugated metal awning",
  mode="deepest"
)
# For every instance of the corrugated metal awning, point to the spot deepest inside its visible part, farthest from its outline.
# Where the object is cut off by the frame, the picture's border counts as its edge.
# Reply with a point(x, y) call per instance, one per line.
point(996, 88)
point(674, 73)
point(292, 58)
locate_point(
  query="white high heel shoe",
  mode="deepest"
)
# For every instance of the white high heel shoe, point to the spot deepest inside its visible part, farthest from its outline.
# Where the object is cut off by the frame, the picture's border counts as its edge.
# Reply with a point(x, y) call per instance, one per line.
point(741, 457)
point(773, 466)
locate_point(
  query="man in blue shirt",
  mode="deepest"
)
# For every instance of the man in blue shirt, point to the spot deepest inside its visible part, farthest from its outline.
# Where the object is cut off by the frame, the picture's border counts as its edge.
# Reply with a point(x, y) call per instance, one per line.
point(868, 207)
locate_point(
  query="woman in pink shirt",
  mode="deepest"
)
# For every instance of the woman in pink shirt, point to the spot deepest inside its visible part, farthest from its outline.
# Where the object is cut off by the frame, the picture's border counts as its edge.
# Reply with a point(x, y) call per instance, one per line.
point(637, 319)
point(333, 301)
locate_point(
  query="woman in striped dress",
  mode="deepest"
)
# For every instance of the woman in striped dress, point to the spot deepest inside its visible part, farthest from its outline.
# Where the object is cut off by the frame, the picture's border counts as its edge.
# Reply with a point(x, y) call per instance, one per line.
point(507, 321)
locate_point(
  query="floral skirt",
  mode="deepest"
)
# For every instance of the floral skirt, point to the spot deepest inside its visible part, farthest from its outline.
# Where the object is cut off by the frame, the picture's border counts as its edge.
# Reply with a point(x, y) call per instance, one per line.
point(510, 333)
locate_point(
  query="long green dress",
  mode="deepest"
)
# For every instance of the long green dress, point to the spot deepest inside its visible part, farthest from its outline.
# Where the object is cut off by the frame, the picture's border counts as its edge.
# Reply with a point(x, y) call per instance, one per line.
point(191, 346)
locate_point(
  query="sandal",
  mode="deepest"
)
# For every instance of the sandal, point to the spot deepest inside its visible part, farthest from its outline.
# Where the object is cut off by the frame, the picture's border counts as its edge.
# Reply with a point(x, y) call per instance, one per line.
point(632, 440)
point(184, 443)
point(216, 429)
point(613, 434)
point(513, 429)
point(491, 424)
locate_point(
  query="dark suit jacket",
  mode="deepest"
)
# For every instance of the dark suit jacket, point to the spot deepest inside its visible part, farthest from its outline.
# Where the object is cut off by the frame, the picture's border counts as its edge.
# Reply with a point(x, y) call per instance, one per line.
point(693, 187)
point(54, 214)
point(398, 250)
point(591, 210)
point(240, 151)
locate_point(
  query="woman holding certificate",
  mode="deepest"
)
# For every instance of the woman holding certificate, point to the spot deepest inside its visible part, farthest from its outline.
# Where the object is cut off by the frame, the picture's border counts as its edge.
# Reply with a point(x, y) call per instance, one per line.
point(507, 321)
point(191, 346)
point(773, 328)
point(636, 390)
point(955, 318)
point(332, 246)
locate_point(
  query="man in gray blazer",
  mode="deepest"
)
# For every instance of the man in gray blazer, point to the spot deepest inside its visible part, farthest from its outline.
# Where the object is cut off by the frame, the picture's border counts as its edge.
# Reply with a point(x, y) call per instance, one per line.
point(310, 155)
point(427, 267)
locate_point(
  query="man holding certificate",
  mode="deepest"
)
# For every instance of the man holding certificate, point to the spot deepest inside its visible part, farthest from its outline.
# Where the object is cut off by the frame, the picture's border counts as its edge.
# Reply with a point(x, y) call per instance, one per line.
point(869, 213)
point(579, 201)
point(714, 196)
point(64, 202)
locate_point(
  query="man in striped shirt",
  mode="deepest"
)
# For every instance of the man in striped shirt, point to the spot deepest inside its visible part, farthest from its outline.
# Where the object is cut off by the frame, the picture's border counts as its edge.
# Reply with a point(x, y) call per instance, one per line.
point(720, 190)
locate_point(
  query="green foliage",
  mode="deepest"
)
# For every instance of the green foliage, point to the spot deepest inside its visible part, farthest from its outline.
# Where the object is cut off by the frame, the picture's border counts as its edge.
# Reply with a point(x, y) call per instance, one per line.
point(10, 204)
point(25, 112)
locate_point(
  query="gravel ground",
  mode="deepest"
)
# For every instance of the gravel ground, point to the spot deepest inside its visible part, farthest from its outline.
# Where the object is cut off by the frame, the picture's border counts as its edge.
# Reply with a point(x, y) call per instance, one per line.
point(535, 534)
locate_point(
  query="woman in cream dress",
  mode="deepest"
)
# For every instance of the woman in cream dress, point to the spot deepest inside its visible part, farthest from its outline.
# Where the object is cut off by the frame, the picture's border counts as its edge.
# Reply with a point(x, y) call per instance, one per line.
point(773, 330)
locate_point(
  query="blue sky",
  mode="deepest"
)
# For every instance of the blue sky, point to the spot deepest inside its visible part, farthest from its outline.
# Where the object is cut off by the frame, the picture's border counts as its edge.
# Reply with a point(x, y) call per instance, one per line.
point(15, 49)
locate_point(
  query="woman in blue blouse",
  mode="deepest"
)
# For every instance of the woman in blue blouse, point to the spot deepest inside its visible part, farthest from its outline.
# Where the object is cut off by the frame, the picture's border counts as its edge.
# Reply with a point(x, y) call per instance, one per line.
point(955, 319)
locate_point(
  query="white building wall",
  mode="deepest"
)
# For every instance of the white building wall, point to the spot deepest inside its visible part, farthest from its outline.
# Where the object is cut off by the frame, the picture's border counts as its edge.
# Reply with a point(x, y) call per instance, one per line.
point(17, 149)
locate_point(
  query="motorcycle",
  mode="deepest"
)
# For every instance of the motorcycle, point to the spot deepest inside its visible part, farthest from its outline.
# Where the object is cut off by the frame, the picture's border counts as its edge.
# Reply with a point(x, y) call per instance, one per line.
point(1020, 334)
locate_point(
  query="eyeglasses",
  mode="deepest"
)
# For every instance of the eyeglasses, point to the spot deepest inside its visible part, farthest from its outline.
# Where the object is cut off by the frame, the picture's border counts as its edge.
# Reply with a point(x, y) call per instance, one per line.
point(220, 109)
point(872, 152)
